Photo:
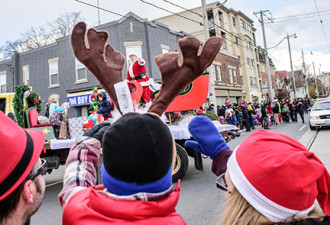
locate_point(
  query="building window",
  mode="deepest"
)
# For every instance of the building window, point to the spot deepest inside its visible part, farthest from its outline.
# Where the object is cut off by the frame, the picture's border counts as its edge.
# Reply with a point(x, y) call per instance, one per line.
point(236, 40)
point(249, 62)
point(243, 24)
point(230, 76)
point(239, 60)
point(246, 44)
point(165, 48)
point(53, 74)
point(234, 76)
point(252, 63)
point(3, 83)
point(212, 33)
point(81, 73)
point(133, 50)
point(217, 70)
point(234, 21)
point(223, 35)
point(253, 81)
point(26, 75)
point(242, 81)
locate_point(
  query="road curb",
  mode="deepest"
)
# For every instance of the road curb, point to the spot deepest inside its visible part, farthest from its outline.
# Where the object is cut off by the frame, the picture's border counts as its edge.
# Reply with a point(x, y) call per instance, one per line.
point(307, 138)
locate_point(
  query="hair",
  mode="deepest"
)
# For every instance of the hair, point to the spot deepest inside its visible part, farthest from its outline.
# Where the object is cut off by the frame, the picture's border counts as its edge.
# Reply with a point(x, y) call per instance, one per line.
point(239, 212)
point(99, 95)
point(53, 98)
point(9, 204)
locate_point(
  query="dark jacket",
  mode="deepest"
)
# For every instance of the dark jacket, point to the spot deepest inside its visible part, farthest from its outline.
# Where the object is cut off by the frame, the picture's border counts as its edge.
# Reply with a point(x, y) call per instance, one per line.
point(300, 107)
point(105, 107)
point(245, 113)
point(276, 109)
point(264, 112)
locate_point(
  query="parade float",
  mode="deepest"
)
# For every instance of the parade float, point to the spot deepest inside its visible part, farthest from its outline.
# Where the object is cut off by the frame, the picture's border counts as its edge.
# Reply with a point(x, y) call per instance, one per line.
point(183, 89)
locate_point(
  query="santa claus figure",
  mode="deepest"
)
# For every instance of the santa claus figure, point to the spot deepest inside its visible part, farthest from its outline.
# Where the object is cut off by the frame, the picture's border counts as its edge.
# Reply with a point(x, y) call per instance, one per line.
point(137, 71)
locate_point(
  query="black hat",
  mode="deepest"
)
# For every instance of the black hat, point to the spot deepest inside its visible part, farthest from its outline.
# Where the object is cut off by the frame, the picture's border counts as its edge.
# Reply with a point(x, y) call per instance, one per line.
point(137, 148)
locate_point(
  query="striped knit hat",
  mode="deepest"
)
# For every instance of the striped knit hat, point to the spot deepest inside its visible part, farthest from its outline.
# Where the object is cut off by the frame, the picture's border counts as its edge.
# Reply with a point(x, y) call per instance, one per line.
point(94, 94)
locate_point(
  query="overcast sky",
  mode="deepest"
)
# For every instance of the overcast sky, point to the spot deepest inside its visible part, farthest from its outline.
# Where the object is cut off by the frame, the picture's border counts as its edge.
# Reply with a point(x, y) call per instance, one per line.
point(19, 15)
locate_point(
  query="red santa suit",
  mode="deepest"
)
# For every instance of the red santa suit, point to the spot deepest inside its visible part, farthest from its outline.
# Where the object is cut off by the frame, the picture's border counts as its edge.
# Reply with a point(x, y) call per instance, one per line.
point(137, 71)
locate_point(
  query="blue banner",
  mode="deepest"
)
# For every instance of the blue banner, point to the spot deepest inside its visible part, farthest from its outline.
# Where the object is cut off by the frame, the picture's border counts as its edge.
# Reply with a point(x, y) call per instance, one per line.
point(81, 99)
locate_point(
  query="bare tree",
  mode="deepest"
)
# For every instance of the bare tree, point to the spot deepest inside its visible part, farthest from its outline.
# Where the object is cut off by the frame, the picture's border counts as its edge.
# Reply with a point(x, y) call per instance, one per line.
point(64, 24)
point(43, 35)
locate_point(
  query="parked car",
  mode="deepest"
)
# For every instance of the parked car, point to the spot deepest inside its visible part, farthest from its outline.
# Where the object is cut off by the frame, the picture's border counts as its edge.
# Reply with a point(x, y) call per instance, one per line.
point(320, 115)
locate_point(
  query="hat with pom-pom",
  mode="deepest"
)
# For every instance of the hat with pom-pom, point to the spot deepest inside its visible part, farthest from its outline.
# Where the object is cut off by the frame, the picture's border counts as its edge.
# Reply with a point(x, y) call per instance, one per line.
point(94, 94)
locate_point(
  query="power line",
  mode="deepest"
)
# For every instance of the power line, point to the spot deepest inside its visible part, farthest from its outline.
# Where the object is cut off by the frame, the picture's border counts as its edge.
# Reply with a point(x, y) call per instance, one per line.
point(301, 15)
point(198, 22)
point(322, 25)
point(118, 14)
point(158, 7)
point(183, 8)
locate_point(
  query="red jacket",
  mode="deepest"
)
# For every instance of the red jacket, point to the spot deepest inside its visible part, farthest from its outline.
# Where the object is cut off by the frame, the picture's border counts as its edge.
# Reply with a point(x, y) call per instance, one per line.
point(89, 206)
point(136, 69)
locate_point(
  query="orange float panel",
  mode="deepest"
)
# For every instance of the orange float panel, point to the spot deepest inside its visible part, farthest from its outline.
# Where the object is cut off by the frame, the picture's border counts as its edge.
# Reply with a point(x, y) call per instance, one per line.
point(193, 96)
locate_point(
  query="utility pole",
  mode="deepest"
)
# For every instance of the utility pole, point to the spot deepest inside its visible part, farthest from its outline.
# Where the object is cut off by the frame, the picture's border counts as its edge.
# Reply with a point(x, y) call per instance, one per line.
point(98, 13)
point(305, 74)
point(316, 88)
point(212, 96)
point(269, 80)
point(320, 75)
point(292, 72)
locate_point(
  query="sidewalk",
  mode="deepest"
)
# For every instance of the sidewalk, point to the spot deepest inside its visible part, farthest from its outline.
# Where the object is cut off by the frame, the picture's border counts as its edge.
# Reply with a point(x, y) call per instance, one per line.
point(320, 146)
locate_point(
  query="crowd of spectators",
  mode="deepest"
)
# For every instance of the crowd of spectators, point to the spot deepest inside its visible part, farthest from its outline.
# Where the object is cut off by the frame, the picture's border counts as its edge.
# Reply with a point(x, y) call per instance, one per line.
point(248, 115)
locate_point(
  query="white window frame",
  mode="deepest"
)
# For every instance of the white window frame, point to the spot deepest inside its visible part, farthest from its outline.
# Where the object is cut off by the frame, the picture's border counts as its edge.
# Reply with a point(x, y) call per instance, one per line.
point(234, 76)
point(51, 62)
point(79, 66)
point(26, 74)
point(136, 49)
point(217, 70)
point(3, 76)
point(248, 61)
point(230, 71)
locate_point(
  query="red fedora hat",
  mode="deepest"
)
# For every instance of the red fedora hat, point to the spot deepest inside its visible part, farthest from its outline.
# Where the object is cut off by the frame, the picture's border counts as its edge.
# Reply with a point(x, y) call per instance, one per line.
point(19, 149)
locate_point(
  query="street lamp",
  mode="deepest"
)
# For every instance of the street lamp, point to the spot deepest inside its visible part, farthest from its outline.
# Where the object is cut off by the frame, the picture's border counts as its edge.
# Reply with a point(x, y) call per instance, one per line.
point(294, 83)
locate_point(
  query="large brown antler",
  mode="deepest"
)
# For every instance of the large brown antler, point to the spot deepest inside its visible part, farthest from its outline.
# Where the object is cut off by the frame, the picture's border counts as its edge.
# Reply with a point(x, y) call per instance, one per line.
point(100, 58)
point(175, 77)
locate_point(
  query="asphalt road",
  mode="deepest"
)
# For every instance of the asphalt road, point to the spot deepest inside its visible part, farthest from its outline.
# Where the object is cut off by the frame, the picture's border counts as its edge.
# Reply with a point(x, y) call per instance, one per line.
point(200, 201)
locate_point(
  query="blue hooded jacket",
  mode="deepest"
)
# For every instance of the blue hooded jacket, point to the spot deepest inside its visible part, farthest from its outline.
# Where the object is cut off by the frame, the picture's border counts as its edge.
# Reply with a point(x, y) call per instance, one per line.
point(105, 106)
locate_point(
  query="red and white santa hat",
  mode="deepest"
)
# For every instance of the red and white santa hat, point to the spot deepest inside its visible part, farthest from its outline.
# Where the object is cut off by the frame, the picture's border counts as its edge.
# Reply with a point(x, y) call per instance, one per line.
point(279, 177)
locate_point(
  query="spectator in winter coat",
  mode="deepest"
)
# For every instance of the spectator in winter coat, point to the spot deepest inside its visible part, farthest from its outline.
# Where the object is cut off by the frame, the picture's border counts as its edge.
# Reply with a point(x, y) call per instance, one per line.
point(51, 105)
point(276, 112)
point(104, 106)
point(211, 108)
point(138, 156)
point(246, 120)
point(301, 109)
point(239, 117)
point(264, 116)
point(22, 184)
point(281, 161)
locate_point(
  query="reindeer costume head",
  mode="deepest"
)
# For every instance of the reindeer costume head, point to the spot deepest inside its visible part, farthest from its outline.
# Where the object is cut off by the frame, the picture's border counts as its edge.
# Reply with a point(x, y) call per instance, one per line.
point(138, 148)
